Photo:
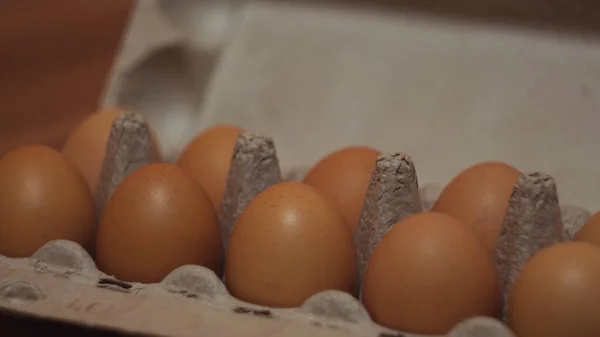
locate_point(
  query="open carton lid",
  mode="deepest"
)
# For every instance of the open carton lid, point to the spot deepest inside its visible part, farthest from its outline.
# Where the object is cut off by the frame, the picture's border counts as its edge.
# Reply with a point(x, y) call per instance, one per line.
point(450, 93)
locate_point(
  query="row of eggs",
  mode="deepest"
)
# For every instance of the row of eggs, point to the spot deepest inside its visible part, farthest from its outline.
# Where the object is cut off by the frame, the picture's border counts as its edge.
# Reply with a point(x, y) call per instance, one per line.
point(431, 271)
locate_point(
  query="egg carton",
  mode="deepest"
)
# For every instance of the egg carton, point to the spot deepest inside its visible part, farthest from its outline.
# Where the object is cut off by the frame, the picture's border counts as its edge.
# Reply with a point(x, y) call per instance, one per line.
point(61, 281)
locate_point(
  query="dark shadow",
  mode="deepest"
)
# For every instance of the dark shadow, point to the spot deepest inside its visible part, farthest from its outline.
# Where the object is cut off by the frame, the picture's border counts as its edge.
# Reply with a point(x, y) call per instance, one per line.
point(575, 16)
point(167, 87)
point(18, 325)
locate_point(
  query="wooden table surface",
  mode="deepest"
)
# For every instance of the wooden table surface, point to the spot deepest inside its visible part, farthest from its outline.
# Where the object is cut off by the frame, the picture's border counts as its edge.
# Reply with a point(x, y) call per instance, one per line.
point(55, 57)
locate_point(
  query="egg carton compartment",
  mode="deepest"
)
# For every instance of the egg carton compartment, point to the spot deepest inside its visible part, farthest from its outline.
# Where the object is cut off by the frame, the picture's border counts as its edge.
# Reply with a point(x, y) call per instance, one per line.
point(60, 281)
point(62, 272)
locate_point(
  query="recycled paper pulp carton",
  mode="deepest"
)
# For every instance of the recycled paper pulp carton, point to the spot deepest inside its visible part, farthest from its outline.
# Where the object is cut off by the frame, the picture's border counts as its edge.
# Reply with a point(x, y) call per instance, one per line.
point(451, 85)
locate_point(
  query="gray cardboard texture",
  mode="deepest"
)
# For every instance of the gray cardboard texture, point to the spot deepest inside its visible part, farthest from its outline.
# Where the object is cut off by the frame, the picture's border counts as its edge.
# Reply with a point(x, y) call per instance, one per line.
point(392, 196)
point(254, 168)
point(532, 223)
point(447, 93)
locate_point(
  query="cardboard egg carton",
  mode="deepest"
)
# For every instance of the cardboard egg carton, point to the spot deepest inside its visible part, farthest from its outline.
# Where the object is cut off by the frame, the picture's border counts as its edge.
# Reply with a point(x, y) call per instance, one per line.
point(187, 65)
point(61, 282)
point(317, 75)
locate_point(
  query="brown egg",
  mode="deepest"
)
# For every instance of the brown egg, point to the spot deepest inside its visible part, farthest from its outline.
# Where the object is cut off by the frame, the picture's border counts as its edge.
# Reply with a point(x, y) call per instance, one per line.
point(288, 245)
point(479, 197)
point(157, 220)
point(343, 177)
point(590, 232)
point(429, 273)
point(86, 145)
point(42, 198)
point(557, 293)
point(208, 157)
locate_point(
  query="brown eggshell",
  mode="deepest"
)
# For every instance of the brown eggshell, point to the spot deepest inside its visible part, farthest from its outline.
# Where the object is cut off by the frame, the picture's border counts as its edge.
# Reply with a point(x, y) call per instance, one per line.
point(590, 232)
point(343, 177)
point(429, 273)
point(86, 145)
point(557, 293)
point(478, 197)
point(207, 159)
point(43, 197)
point(288, 245)
point(157, 220)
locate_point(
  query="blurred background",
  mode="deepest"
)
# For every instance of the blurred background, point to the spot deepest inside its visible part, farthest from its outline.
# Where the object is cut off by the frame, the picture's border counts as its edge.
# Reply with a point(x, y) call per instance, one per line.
point(55, 57)
point(455, 82)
